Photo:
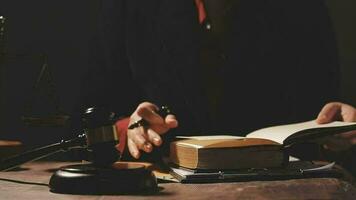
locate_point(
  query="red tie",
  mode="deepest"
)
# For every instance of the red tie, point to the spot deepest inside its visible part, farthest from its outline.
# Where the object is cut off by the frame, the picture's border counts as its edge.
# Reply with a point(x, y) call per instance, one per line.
point(201, 10)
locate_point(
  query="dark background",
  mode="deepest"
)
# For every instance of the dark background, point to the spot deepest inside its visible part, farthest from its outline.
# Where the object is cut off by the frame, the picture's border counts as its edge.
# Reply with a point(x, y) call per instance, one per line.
point(62, 30)
point(59, 29)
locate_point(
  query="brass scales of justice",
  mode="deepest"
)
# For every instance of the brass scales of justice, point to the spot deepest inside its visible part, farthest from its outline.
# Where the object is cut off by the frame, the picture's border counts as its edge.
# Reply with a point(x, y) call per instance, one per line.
point(56, 119)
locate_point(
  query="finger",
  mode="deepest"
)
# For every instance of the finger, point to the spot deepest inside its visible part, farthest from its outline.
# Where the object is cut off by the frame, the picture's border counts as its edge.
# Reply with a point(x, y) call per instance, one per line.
point(348, 113)
point(134, 151)
point(149, 114)
point(328, 113)
point(171, 121)
point(154, 137)
point(348, 135)
point(148, 105)
point(138, 136)
point(338, 144)
point(353, 141)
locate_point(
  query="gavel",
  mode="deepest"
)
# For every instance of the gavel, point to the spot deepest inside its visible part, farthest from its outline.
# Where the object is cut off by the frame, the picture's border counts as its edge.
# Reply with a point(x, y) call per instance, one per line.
point(98, 137)
point(102, 175)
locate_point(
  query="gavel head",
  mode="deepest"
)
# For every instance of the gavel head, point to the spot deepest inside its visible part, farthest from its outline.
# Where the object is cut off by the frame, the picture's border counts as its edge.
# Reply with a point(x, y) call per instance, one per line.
point(101, 136)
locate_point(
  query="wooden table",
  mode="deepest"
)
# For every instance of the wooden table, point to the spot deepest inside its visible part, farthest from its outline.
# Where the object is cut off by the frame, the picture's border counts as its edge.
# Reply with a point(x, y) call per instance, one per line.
point(316, 188)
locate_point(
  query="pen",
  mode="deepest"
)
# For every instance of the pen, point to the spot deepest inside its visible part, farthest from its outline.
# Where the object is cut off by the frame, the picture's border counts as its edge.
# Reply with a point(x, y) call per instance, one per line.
point(163, 111)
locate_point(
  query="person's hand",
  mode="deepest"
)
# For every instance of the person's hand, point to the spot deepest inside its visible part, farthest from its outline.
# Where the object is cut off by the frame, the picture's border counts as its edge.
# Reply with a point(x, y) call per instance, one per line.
point(337, 111)
point(146, 137)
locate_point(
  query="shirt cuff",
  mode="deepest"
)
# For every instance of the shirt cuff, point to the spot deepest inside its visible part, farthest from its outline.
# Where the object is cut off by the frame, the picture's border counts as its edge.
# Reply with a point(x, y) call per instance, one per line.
point(121, 129)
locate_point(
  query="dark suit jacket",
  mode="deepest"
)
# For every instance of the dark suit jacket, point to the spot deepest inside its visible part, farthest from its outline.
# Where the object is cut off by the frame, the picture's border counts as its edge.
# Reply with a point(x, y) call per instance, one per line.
point(280, 62)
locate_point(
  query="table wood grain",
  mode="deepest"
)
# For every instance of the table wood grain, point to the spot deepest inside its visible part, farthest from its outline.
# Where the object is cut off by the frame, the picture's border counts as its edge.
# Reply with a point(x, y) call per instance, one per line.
point(38, 173)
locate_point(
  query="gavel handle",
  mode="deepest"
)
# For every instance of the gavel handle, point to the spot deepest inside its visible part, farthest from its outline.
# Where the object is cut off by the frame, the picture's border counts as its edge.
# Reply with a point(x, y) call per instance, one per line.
point(41, 152)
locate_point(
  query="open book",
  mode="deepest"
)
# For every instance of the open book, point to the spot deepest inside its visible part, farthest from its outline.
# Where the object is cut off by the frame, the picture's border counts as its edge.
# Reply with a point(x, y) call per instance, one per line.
point(290, 133)
point(263, 148)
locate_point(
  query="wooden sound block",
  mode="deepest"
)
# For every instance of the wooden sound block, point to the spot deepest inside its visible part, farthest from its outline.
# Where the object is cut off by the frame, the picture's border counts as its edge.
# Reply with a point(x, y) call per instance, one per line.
point(121, 178)
point(161, 174)
point(9, 148)
point(126, 165)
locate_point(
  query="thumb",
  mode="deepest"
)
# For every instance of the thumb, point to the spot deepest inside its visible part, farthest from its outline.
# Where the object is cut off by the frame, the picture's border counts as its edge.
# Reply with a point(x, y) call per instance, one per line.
point(328, 113)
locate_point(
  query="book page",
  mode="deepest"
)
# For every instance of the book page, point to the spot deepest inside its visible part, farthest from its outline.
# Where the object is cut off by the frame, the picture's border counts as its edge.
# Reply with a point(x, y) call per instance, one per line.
point(211, 137)
point(280, 133)
point(207, 138)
